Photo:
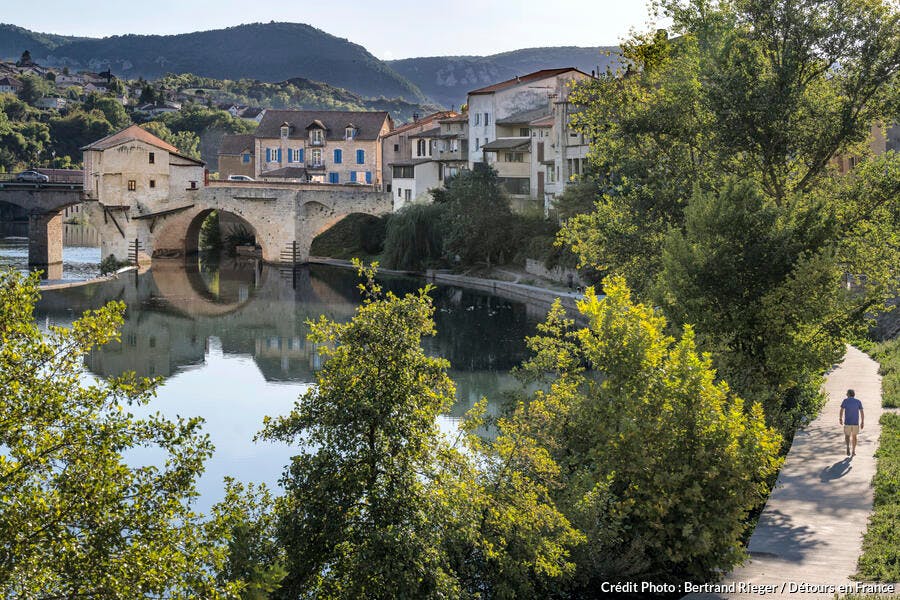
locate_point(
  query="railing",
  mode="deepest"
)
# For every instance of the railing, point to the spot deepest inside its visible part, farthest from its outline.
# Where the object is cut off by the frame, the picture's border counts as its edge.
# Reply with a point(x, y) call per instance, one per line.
point(315, 165)
point(317, 143)
point(56, 176)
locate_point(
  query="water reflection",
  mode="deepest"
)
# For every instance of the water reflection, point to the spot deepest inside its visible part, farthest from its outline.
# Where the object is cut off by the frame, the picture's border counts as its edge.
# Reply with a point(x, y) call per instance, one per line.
point(81, 251)
point(229, 340)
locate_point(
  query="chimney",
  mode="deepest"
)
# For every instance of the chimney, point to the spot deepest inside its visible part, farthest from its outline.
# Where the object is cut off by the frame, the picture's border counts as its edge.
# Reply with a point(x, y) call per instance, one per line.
point(415, 117)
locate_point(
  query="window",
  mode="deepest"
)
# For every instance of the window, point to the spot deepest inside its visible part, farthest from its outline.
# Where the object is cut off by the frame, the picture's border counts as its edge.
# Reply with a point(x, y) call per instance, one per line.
point(408, 194)
point(478, 118)
point(245, 158)
point(193, 185)
point(524, 132)
point(152, 183)
point(285, 131)
point(396, 147)
point(403, 172)
point(399, 193)
point(350, 133)
point(515, 157)
point(334, 178)
point(360, 157)
point(290, 155)
point(338, 156)
point(132, 185)
point(152, 158)
point(487, 119)
point(369, 177)
point(420, 148)
point(518, 186)
point(317, 137)
point(315, 157)
point(477, 143)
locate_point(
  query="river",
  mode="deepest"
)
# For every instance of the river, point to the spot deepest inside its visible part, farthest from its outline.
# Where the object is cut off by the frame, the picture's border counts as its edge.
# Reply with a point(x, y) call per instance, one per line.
point(81, 250)
point(228, 339)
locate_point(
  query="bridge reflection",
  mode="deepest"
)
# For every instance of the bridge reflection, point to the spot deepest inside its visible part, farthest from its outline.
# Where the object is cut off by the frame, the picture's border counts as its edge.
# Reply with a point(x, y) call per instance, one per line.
point(261, 312)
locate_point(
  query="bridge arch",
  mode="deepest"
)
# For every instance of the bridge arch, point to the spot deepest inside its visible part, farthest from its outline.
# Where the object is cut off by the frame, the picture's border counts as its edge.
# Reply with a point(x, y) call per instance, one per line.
point(179, 235)
point(43, 204)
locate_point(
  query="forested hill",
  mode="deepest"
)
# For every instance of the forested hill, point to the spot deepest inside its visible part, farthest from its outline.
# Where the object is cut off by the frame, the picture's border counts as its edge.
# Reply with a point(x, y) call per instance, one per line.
point(447, 79)
point(265, 51)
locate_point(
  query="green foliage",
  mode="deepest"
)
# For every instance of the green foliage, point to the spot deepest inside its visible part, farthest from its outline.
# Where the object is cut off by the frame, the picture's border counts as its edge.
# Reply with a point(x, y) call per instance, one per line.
point(75, 519)
point(211, 232)
point(888, 356)
point(187, 142)
point(414, 239)
point(362, 514)
point(378, 503)
point(354, 236)
point(476, 222)
point(33, 88)
point(239, 235)
point(111, 264)
point(111, 108)
point(880, 560)
point(78, 129)
point(717, 199)
point(645, 443)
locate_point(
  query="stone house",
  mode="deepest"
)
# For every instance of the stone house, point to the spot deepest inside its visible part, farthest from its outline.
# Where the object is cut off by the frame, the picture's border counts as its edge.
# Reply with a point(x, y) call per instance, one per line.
point(10, 85)
point(318, 146)
point(237, 156)
point(396, 144)
point(501, 118)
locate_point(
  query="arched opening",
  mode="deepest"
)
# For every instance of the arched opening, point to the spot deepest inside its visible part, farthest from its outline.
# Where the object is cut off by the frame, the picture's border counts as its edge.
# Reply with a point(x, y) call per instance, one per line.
point(216, 231)
point(353, 235)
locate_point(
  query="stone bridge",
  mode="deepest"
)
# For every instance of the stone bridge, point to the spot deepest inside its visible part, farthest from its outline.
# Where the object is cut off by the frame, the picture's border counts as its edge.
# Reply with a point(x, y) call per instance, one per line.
point(285, 218)
point(43, 202)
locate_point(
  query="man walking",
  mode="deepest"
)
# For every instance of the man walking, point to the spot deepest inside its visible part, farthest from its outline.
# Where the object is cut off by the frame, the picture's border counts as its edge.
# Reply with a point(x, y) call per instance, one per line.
point(852, 418)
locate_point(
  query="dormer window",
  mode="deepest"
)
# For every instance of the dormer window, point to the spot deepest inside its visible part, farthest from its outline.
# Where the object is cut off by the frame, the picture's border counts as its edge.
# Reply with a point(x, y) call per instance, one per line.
point(317, 136)
point(350, 132)
point(285, 130)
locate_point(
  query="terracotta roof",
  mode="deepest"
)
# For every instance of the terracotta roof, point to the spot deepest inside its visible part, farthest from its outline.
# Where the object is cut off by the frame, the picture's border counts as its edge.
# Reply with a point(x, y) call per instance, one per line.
point(9, 81)
point(236, 144)
point(463, 118)
point(334, 121)
point(438, 116)
point(536, 76)
point(130, 134)
point(543, 122)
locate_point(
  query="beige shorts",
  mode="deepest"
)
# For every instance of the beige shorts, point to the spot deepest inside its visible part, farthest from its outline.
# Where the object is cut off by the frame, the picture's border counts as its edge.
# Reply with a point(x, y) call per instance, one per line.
point(851, 429)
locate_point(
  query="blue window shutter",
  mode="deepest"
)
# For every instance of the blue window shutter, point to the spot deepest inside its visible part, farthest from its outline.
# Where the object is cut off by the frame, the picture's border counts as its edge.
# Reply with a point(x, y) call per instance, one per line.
point(300, 158)
point(360, 157)
point(368, 176)
point(352, 175)
point(338, 156)
point(290, 155)
point(279, 155)
point(333, 178)
point(268, 155)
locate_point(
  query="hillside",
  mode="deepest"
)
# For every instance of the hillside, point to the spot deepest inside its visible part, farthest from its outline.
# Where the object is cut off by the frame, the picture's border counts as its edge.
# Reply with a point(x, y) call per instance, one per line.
point(447, 79)
point(14, 40)
point(265, 51)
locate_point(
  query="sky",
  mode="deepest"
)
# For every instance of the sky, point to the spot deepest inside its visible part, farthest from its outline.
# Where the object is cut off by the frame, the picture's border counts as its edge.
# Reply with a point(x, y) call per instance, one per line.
point(389, 30)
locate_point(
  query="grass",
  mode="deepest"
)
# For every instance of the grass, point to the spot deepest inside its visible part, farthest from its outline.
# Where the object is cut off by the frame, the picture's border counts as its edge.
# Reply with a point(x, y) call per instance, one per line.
point(888, 355)
point(880, 560)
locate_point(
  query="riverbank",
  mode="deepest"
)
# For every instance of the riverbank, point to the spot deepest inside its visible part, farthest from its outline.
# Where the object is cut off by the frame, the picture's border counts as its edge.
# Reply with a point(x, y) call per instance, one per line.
point(543, 295)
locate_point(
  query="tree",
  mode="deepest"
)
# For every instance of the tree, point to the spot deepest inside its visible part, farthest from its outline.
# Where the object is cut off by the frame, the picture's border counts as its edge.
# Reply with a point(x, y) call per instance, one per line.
point(414, 237)
point(662, 464)
point(78, 129)
point(379, 504)
point(743, 110)
point(148, 95)
point(362, 514)
point(477, 216)
point(76, 520)
point(187, 142)
point(33, 88)
point(111, 108)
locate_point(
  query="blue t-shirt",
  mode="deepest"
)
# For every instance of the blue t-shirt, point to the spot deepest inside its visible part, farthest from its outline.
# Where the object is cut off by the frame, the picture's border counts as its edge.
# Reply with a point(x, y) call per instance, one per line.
point(851, 407)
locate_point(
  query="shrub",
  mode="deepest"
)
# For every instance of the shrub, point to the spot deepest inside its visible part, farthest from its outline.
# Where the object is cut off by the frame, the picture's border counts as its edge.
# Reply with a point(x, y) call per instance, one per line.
point(880, 560)
point(414, 238)
point(111, 264)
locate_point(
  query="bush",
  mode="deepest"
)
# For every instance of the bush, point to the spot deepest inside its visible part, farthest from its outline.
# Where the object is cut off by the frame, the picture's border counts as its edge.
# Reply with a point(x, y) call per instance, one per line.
point(415, 237)
point(111, 264)
point(880, 560)
point(888, 356)
point(239, 235)
point(210, 233)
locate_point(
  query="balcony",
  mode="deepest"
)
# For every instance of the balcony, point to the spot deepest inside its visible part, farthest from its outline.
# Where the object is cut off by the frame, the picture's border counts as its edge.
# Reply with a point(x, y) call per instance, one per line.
point(457, 154)
point(317, 143)
point(315, 166)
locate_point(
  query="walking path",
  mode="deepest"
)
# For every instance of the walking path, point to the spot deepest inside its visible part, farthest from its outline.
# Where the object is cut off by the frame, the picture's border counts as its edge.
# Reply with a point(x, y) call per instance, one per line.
point(812, 526)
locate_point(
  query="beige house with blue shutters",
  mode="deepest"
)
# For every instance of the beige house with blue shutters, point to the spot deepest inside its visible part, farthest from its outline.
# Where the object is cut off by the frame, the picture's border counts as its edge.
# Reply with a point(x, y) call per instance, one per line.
point(320, 146)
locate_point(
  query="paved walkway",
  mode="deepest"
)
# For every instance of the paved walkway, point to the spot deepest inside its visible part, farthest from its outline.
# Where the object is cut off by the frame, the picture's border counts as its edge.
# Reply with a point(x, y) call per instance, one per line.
point(812, 526)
